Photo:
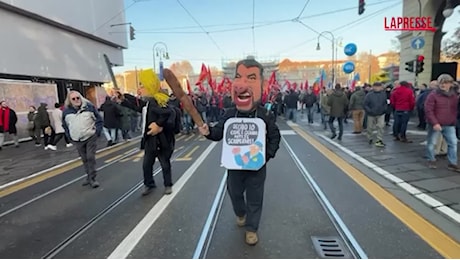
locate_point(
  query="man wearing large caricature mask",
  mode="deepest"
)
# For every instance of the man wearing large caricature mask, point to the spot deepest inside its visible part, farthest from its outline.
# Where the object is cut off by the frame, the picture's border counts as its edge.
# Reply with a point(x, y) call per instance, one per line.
point(246, 93)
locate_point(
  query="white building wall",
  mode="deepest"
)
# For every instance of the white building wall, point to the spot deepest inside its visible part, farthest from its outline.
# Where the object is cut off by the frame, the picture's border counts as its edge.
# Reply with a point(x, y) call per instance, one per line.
point(90, 16)
point(33, 48)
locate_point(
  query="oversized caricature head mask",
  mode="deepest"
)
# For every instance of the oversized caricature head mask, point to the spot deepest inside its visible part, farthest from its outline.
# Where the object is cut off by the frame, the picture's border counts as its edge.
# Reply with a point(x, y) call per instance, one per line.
point(247, 85)
point(150, 86)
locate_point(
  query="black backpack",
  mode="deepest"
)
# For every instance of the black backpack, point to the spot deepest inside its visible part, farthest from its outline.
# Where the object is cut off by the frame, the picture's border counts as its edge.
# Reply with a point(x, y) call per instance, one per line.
point(174, 120)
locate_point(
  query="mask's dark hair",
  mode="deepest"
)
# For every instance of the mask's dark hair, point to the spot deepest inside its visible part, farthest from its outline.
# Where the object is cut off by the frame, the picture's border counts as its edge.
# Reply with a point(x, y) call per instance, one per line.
point(249, 63)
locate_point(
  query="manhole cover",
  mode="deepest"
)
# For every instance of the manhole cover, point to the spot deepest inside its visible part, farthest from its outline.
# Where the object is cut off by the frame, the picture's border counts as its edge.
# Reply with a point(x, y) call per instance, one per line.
point(330, 247)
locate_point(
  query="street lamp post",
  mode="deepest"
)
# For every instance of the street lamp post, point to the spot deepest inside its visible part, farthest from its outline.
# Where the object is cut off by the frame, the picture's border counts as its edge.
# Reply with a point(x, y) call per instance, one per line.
point(160, 49)
point(333, 52)
point(338, 43)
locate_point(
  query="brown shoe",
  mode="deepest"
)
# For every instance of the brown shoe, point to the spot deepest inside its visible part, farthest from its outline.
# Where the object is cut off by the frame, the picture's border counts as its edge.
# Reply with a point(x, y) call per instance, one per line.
point(241, 221)
point(251, 238)
point(453, 167)
point(431, 164)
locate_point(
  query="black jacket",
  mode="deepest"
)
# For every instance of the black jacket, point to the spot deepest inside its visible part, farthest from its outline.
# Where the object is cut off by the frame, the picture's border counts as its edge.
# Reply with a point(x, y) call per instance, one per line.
point(164, 140)
point(273, 133)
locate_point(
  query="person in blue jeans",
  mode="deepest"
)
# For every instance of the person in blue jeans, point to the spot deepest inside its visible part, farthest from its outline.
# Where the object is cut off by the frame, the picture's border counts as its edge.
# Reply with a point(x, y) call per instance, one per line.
point(403, 101)
point(441, 115)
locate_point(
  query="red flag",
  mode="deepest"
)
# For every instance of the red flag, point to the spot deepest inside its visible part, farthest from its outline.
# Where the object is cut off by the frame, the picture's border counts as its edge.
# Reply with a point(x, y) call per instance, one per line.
point(353, 85)
point(200, 86)
point(189, 89)
point(203, 74)
point(271, 82)
point(209, 76)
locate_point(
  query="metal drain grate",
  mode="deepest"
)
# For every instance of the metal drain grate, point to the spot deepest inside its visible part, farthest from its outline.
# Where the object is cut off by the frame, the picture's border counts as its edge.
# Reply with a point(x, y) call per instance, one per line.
point(330, 247)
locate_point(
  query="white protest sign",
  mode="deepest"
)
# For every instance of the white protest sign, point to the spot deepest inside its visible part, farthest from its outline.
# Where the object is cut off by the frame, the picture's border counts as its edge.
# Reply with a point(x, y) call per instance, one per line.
point(244, 144)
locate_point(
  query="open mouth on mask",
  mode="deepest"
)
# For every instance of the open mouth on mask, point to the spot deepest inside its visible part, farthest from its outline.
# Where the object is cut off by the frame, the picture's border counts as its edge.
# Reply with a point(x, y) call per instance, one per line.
point(244, 97)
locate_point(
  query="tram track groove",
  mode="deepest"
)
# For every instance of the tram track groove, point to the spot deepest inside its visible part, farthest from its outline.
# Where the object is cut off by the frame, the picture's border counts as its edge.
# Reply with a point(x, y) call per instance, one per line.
point(101, 214)
point(60, 187)
point(345, 234)
point(352, 244)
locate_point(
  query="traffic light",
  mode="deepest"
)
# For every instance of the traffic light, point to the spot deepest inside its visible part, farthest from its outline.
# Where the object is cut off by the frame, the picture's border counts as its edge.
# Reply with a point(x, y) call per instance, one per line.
point(410, 66)
point(361, 7)
point(131, 33)
point(419, 64)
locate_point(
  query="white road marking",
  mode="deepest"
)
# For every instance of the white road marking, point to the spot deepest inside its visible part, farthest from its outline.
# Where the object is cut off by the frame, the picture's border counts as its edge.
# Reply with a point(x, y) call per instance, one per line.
point(427, 199)
point(126, 246)
point(288, 132)
point(215, 209)
point(6, 185)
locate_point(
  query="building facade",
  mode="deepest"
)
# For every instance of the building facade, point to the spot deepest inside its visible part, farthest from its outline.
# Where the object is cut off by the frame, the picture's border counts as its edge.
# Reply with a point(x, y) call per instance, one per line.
point(51, 46)
point(61, 42)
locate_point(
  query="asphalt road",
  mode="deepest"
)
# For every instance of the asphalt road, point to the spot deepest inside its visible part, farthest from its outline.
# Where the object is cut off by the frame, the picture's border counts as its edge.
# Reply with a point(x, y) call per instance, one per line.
point(306, 197)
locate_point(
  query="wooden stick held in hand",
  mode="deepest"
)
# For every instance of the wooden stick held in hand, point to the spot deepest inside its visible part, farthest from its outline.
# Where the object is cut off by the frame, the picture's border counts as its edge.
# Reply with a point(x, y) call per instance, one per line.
point(180, 94)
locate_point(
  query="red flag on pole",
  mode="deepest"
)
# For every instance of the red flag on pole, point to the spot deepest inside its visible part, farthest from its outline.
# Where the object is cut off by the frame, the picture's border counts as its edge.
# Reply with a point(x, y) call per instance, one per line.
point(189, 89)
point(203, 74)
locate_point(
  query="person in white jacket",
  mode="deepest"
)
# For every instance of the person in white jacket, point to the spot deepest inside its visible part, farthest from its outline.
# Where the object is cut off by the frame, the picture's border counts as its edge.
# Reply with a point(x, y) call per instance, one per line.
point(56, 123)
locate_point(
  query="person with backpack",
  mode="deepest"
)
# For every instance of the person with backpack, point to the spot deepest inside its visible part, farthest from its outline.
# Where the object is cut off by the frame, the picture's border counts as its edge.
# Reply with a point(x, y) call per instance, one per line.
point(159, 126)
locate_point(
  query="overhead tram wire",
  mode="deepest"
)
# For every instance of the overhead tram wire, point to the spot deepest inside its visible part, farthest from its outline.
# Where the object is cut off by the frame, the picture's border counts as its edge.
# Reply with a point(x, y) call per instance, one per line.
point(364, 19)
point(288, 50)
point(253, 32)
point(202, 28)
point(256, 24)
point(345, 26)
point(115, 16)
point(303, 9)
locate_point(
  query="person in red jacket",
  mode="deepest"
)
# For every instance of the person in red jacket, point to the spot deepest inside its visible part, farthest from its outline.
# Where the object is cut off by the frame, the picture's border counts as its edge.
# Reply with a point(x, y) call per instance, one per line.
point(403, 102)
point(441, 114)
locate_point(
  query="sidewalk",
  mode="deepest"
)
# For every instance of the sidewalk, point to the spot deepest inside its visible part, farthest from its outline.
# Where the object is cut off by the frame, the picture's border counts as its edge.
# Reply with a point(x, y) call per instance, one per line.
point(27, 159)
point(403, 163)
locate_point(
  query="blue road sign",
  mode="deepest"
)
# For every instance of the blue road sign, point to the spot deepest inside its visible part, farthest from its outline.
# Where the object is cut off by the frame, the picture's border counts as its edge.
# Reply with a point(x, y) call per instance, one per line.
point(350, 49)
point(417, 43)
point(348, 67)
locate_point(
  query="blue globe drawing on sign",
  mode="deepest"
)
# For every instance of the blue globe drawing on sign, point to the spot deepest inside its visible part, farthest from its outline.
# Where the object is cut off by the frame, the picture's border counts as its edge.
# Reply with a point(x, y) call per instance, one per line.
point(350, 49)
point(348, 67)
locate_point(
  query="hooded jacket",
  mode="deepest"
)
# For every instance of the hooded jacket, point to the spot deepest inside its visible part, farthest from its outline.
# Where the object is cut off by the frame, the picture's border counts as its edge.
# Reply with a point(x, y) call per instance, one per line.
point(338, 102)
point(83, 122)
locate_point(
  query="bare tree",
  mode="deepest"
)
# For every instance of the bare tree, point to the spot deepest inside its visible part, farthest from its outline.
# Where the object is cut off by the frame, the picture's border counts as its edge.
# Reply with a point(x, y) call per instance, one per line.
point(182, 68)
point(395, 45)
point(452, 46)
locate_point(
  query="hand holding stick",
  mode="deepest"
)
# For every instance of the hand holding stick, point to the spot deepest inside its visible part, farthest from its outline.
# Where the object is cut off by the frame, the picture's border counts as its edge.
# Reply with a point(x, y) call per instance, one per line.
point(180, 94)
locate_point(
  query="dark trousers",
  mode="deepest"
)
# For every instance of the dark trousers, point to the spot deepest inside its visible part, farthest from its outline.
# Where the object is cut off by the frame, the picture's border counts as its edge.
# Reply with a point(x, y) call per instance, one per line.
point(401, 119)
point(388, 114)
point(331, 125)
point(164, 156)
point(48, 139)
point(421, 118)
point(58, 138)
point(87, 151)
point(253, 183)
